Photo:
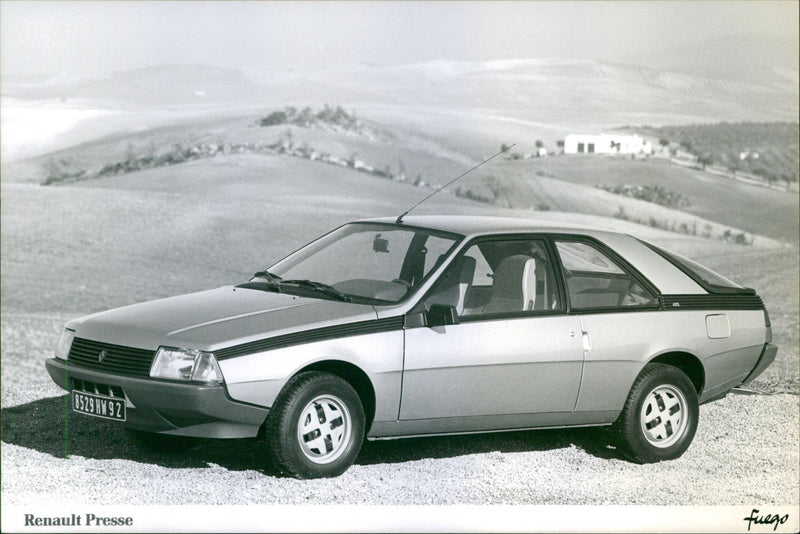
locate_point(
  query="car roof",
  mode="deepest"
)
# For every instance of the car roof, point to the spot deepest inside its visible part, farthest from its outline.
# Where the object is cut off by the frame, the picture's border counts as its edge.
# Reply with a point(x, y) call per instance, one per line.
point(475, 225)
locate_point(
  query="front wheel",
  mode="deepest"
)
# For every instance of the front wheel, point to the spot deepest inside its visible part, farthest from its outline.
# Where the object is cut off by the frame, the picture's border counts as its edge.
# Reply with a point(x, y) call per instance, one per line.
point(659, 419)
point(316, 427)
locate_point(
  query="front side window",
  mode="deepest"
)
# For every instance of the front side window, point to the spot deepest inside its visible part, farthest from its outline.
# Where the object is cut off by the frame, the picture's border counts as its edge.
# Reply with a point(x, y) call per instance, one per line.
point(377, 262)
point(595, 281)
point(499, 277)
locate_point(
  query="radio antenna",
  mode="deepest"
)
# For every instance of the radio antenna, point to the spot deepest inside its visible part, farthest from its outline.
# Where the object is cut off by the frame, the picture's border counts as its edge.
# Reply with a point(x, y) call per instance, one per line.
point(506, 149)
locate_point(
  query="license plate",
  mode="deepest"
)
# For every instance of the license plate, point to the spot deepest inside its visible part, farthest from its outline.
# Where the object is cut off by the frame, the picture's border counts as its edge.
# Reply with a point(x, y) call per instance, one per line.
point(98, 405)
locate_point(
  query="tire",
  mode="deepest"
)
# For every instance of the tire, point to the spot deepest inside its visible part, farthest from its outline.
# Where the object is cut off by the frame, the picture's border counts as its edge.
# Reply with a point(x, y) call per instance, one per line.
point(316, 426)
point(154, 442)
point(659, 419)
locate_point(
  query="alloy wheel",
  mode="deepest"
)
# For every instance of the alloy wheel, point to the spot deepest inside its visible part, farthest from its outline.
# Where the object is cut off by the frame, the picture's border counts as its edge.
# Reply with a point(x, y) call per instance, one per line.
point(323, 429)
point(664, 416)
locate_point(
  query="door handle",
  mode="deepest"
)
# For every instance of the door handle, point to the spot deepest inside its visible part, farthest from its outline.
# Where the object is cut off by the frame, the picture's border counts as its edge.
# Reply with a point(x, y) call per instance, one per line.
point(587, 343)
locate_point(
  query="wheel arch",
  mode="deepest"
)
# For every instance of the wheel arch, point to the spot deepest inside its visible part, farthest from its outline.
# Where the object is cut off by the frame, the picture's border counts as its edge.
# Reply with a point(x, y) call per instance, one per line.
point(686, 362)
point(356, 377)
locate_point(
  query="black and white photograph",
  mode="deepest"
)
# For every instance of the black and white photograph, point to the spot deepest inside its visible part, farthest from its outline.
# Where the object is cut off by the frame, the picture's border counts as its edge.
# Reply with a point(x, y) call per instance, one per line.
point(400, 266)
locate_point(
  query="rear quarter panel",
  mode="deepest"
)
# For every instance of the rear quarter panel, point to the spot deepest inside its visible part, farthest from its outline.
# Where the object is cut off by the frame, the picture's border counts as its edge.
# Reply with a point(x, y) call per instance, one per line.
point(728, 361)
point(623, 343)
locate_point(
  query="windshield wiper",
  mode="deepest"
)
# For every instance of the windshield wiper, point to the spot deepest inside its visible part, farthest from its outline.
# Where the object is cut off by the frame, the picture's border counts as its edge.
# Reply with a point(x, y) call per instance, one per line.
point(268, 275)
point(273, 282)
point(319, 286)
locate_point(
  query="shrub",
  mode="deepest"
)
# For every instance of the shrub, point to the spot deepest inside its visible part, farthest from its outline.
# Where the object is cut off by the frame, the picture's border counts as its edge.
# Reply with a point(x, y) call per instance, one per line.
point(274, 118)
point(655, 194)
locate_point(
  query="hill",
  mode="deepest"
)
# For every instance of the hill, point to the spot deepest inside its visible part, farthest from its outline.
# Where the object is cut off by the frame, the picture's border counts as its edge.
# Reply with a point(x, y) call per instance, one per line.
point(759, 210)
point(479, 102)
point(386, 155)
point(81, 247)
point(196, 225)
point(156, 85)
point(733, 57)
point(544, 91)
point(766, 149)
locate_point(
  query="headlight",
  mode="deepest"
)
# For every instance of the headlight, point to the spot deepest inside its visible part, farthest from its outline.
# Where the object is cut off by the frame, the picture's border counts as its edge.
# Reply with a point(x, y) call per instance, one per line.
point(186, 364)
point(64, 344)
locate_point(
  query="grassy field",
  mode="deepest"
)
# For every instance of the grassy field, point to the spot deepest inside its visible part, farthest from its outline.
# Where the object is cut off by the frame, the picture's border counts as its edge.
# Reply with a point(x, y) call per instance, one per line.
point(771, 148)
point(93, 245)
point(768, 212)
point(99, 243)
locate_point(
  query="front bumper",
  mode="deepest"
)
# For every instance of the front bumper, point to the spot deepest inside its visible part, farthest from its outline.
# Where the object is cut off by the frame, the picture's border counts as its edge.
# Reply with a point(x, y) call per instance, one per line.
point(764, 360)
point(167, 407)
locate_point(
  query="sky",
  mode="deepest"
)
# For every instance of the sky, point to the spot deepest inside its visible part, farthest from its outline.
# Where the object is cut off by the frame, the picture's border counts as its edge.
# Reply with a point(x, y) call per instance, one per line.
point(89, 38)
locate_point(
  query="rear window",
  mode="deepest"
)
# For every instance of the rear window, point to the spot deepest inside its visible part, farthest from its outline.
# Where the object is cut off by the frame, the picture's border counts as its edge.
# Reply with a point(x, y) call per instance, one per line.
point(708, 279)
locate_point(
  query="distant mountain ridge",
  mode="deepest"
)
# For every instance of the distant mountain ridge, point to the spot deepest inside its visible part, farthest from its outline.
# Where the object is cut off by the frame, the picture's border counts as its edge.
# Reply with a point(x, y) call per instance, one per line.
point(511, 98)
point(153, 85)
point(733, 57)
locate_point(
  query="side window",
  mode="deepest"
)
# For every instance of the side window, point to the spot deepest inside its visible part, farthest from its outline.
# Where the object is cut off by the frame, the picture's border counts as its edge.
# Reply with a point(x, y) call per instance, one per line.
point(436, 248)
point(499, 277)
point(595, 281)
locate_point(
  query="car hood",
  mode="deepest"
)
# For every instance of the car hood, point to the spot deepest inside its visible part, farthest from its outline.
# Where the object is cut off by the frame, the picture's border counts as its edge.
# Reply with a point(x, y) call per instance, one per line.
point(210, 320)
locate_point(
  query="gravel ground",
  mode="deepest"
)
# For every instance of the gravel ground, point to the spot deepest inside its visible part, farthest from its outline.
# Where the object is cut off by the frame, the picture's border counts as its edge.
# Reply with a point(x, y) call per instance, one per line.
point(745, 453)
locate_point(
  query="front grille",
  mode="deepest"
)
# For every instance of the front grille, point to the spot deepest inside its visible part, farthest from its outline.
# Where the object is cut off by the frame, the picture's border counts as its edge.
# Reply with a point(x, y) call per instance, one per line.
point(97, 389)
point(117, 359)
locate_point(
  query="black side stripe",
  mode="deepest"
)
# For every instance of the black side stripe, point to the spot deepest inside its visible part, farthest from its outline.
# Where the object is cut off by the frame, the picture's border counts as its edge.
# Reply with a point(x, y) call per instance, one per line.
point(309, 336)
point(734, 301)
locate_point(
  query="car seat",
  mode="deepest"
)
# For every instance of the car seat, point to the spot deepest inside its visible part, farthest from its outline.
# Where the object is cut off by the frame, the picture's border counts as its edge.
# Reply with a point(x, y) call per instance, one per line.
point(514, 287)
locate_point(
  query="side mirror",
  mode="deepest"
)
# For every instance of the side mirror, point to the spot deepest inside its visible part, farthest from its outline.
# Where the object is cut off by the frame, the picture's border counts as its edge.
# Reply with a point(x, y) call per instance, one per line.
point(441, 315)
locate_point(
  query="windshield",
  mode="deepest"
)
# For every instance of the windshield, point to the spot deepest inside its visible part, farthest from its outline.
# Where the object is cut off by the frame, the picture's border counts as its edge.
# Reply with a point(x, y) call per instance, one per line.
point(367, 262)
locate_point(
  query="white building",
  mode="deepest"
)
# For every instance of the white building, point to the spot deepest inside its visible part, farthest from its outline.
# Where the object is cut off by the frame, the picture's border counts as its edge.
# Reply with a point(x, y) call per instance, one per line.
point(606, 144)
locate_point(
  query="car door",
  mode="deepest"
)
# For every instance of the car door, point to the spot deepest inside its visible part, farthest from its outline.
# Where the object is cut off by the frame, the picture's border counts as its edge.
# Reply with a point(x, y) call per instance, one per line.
point(514, 349)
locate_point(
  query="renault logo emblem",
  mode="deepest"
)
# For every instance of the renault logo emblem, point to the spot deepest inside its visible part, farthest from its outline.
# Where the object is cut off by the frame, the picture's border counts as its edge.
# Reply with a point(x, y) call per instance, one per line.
point(101, 356)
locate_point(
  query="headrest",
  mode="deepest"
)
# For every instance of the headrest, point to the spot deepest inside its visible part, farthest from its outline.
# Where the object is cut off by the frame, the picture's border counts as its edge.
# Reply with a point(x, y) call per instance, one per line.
point(508, 277)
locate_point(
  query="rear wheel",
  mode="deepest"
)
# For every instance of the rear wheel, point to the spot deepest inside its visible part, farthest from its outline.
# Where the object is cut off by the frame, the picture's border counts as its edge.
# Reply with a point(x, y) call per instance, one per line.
point(659, 419)
point(316, 427)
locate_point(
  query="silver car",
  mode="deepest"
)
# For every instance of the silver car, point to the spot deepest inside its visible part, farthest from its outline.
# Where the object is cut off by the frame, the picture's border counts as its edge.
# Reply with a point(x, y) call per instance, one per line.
point(388, 328)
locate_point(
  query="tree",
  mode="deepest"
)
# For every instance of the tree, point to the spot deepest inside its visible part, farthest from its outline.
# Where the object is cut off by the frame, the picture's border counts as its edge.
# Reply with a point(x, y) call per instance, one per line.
point(705, 160)
point(539, 143)
point(276, 117)
point(306, 117)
